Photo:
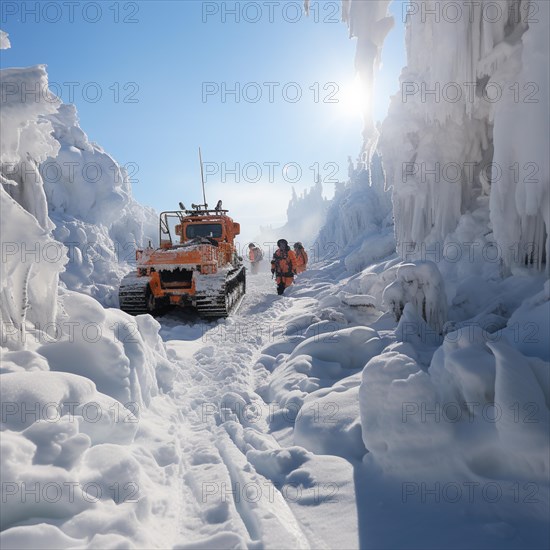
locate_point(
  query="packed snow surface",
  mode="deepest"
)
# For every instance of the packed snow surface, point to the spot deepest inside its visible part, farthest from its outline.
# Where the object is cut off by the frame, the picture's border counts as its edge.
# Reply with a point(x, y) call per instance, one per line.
point(300, 422)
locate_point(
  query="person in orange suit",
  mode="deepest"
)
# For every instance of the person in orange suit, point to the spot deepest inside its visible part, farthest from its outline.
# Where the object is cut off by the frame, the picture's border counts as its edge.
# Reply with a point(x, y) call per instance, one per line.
point(301, 257)
point(283, 265)
point(255, 255)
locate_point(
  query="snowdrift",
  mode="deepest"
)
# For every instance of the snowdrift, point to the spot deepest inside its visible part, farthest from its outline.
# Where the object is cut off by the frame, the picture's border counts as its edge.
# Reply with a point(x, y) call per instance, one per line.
point(439, 418)
point(94, 213)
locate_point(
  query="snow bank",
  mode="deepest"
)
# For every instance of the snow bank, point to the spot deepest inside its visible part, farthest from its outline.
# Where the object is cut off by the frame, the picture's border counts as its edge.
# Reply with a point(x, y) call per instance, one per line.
point(122, 355)
point(34, 402)
point(90, 202)
point(468, 412)
point(420, 284)
point(529, 325)
point(56, 431)
point(459, 401)
point(82, 386)
point(329, 424)
point(320, 360)
point(313, 385)
point(390, 383)
point(81, 452)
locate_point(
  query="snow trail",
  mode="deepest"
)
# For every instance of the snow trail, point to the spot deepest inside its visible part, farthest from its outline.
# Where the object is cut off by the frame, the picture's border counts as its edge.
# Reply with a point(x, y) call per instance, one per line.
point(253, 475)
point(228, 504)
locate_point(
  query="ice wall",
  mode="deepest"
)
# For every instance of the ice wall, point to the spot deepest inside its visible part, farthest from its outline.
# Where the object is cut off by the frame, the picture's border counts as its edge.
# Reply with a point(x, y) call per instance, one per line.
point(26, 137)
point(61, 350)
point(358, 227)
point(520, 202)
point(31, 262)
point(469, 122)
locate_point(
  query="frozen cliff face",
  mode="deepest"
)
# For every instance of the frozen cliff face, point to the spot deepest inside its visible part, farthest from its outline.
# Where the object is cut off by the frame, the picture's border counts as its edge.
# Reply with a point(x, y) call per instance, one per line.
point(81, 179)
point(67, 209)
point(31, 263)
point(26, 137)
point(358, 225)
point(469, 122)
point(520, 202)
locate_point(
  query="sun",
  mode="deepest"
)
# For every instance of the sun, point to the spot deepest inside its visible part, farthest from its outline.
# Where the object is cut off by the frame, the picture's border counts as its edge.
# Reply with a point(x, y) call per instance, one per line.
point(353, 98)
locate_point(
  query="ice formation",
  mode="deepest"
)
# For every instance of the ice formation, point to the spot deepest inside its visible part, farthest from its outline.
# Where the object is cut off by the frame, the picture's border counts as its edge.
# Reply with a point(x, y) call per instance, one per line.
point(468, 87)
point(306, 213)
point(359, 225)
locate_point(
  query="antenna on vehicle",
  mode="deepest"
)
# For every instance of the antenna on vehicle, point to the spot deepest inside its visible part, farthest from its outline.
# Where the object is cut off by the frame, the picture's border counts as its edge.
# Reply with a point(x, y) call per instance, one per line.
point(202, 180)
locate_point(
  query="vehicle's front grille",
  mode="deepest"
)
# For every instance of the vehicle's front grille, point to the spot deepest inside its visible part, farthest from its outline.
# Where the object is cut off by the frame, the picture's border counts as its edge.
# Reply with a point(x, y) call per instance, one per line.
point(176, 278)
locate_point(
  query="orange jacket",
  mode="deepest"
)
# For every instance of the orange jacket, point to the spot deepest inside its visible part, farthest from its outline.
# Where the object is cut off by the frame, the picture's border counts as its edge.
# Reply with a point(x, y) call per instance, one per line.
point(284, 264)
point(254, 254)
point(301, 261)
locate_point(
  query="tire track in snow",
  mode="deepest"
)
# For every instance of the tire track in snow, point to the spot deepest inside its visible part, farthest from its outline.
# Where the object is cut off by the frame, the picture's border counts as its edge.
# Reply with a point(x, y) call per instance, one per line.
point(216, 473)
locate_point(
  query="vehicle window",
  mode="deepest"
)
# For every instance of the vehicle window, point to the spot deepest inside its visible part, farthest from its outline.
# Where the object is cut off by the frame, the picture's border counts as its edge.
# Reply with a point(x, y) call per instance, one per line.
point(204, 230)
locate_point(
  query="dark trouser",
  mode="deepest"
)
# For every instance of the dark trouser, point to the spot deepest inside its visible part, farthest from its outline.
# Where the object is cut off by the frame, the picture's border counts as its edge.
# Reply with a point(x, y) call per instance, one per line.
point(284, 280)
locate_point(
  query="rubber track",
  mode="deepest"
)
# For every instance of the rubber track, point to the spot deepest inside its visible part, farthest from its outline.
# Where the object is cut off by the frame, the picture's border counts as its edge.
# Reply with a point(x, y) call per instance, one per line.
point(227, 299)
point(132, 294)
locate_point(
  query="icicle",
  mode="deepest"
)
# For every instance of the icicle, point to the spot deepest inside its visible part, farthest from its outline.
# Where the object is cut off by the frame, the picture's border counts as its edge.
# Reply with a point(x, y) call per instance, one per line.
point(24, 302)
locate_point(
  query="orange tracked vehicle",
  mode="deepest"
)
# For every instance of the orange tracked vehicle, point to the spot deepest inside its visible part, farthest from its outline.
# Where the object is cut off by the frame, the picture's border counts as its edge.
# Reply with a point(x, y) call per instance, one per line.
point(196, 265)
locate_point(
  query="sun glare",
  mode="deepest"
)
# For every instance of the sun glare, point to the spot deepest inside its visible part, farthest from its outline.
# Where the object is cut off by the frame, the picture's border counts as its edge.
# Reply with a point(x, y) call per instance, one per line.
point(354, 98)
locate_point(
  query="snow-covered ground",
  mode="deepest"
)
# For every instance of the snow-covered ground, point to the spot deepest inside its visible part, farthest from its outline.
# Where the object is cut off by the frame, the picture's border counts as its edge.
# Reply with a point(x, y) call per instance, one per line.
point(253, 431)
point(279, 411)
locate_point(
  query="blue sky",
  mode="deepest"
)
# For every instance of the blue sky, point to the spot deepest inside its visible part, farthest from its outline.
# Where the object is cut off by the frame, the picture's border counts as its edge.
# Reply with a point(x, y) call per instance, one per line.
point(152, 60)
